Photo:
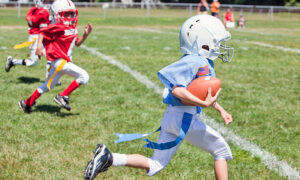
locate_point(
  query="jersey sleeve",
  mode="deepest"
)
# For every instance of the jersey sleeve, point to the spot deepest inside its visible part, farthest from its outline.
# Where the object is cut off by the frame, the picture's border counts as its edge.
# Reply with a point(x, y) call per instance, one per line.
point(180, 73)
point(77, 37)
point(53, 31)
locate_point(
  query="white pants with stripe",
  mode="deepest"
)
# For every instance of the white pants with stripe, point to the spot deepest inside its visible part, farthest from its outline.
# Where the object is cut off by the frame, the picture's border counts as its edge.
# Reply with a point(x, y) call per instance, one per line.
point(33, 59)
point(199, 134)
point(59, 68)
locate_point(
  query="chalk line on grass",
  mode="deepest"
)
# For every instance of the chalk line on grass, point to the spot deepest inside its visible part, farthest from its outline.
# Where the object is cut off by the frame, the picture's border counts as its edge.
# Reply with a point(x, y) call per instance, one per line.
point(285, 49)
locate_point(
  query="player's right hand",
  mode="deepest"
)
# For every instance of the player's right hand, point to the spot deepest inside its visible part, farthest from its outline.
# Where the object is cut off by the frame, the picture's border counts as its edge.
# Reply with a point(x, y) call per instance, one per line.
point(211, 100)
point(39, 52)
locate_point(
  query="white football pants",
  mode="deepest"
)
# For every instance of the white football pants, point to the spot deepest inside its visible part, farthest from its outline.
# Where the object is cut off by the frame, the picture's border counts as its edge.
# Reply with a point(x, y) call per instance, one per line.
point(58, 69)
point(33, 59)
point(199, 134)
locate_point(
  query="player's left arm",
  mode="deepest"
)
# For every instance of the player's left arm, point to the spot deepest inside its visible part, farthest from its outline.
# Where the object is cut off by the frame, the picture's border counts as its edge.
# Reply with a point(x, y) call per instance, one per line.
point(39, 50)
point(87, 30)
point(224, 114)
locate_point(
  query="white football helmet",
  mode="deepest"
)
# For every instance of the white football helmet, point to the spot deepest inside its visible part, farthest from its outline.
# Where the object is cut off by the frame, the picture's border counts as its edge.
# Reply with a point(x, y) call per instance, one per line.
point(205, 35)
point(59, 10)
point(38, 3)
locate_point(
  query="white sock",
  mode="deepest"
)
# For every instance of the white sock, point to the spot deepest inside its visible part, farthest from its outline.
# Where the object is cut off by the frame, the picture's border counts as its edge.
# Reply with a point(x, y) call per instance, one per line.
point(17, 61)
point(119, 159)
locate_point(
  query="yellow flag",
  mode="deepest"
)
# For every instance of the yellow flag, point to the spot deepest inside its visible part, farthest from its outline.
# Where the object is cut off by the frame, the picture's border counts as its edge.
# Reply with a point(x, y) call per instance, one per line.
point(24, 44)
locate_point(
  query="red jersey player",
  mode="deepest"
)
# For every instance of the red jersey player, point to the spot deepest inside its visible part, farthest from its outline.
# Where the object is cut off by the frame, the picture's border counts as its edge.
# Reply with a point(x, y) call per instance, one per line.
point(59, 40)
point(37, 18)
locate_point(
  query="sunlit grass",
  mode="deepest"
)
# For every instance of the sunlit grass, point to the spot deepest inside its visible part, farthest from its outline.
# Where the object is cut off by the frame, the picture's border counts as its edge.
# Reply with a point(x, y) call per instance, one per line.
point(260, 89)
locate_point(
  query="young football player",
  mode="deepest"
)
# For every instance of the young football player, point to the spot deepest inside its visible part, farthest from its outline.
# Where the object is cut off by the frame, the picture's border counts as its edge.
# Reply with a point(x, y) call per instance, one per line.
point(59, 40)
point(37, 18)
point(202, 39)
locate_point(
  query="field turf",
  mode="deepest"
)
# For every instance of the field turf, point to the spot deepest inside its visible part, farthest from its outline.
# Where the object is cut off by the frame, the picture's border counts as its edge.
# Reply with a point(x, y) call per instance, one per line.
point(260, 90)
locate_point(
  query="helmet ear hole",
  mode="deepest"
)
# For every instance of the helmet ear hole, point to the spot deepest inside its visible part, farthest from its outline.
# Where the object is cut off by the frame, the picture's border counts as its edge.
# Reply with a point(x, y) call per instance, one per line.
point(206, 47)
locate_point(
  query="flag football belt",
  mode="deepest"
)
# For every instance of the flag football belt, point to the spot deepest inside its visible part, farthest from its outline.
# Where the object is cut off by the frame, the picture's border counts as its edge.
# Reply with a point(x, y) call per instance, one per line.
point(59, 68)
point(186, 123)
point(24, 44)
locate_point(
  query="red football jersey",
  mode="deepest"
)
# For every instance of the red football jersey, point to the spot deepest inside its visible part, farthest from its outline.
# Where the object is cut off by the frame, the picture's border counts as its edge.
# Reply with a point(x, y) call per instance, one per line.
point(37, 18)
point(59, 41)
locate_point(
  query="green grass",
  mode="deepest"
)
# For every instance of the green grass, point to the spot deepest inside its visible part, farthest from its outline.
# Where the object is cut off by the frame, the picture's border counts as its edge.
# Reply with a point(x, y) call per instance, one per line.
point(260, 89)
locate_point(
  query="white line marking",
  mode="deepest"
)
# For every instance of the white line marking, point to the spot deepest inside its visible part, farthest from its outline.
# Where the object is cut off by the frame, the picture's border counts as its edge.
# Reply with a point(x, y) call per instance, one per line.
point(254, 31)
point(273, 46)
point(128, 48)
point(167, 48)
point(268, 159)
point(271, 161)
point(149, 30)
point(250, 42)
point(244, 48)
point(138, 76)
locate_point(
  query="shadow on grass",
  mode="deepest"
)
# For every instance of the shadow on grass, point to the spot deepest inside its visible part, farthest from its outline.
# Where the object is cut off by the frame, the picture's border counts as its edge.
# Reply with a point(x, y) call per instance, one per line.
point(29, 80)
point(53, 110)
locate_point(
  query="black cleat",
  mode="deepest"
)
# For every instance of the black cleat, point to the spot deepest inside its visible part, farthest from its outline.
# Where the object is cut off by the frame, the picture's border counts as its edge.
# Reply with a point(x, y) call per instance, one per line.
point(25, 107)
point(9, 64)
point(58, 83)
point(101, 161)
point(63, 101)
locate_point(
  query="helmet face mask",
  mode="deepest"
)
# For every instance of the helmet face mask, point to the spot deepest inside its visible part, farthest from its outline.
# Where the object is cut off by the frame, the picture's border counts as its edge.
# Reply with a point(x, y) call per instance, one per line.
point(226, 53)
point(68, 18)
point(205, 35)
point(64, 11)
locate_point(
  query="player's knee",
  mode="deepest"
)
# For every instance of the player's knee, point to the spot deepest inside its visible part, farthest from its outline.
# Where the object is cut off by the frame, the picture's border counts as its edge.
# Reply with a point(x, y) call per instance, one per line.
point(222, 152)
point(31, 62)
point(224, 156)
point(42, 89)
point(154, 167)
point(83, 78)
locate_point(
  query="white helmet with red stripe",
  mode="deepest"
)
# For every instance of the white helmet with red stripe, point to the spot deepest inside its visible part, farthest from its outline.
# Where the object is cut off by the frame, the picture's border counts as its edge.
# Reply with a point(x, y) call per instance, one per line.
point(64, 11)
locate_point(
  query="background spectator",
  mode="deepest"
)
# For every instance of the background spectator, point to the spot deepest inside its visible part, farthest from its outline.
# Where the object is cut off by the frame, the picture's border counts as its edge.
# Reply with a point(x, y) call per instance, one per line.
point(215, 8)
point(241, 21)
point(228, 19)
point(202, 7)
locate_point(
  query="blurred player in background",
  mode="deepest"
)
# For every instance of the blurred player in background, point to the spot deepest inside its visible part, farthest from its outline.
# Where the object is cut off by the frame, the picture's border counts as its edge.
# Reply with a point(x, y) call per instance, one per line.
point(202, 7)
point(202, 39)
point(241, 21)
point(215, 8)
point(37, 18)
point(228, 18)
point(59, 40)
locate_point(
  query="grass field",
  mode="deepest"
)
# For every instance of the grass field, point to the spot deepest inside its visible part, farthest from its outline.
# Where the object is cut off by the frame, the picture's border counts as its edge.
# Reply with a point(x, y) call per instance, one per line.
point(260, 90)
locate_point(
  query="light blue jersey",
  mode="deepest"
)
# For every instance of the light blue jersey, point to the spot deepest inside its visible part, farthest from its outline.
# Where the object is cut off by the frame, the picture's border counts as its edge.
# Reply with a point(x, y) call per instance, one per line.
point(182, 72)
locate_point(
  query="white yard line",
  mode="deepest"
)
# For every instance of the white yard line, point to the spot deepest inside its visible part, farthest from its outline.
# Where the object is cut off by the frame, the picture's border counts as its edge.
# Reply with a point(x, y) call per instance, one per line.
point(248, 31)
point(268, 159)
point(271, 161)
point(285, 49)
point(138, 76)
